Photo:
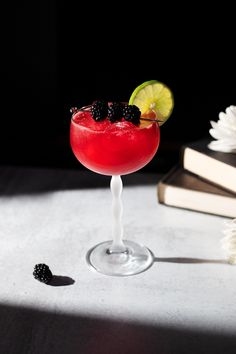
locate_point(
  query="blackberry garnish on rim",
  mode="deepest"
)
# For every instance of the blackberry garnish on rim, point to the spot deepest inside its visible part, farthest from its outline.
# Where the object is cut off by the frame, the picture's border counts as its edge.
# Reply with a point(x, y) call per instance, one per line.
point(115, 111)
point(132, 114)
point(99, 110)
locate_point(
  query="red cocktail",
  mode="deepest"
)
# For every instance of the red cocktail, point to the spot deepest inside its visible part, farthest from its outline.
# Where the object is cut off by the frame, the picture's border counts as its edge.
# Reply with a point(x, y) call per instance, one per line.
point(110, 148)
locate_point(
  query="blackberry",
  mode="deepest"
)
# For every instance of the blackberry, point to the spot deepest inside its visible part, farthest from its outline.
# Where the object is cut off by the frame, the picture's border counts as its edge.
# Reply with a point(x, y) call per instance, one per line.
point(42, 273)
point(131, 113)
point(115, 111)
point(99, 110)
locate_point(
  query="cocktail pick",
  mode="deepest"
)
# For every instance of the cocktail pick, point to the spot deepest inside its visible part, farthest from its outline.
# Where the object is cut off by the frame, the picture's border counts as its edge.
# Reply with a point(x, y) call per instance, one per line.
point(73, 110)
point(151, 119)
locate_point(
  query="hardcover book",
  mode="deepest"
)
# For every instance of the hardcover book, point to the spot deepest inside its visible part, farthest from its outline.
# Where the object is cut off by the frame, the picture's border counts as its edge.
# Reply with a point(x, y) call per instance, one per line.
point(183, 189)
point(216, 167)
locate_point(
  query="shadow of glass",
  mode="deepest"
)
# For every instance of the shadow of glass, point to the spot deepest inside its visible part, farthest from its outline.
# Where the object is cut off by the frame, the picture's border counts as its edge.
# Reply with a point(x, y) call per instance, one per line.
point(36, 331)
point(186, 260)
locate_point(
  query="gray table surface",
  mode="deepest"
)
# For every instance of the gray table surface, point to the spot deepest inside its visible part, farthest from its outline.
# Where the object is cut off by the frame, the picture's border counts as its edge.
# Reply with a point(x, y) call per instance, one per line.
point(185, 303)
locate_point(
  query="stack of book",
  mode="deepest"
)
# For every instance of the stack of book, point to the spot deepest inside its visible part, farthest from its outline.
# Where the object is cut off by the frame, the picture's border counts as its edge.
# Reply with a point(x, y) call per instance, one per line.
point(204, 181)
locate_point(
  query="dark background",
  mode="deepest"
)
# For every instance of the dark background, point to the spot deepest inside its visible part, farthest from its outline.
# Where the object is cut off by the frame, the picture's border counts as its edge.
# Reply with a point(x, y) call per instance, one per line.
point(56, 57)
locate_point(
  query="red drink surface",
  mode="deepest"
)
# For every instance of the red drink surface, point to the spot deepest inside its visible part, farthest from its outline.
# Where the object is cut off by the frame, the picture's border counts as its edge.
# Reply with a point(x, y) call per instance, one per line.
point(112, 148)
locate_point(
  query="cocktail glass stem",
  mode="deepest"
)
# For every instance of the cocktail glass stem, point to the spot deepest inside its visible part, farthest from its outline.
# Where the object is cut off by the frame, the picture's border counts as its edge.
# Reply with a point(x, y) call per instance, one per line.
point(117, 256)
point(117, 245)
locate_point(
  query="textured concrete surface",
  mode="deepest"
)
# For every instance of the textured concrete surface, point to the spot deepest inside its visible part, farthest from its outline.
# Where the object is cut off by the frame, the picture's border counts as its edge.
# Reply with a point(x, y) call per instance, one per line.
point(184, 303)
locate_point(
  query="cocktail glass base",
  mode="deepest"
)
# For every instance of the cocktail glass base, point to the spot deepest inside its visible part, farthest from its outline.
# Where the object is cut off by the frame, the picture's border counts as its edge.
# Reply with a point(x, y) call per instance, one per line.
point(135, 259)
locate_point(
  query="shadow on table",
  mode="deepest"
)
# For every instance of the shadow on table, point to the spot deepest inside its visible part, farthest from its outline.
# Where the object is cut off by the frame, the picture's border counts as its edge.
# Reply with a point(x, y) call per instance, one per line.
point(61, 280)
point(33, 331)
point(187, 260)
point(17, 181)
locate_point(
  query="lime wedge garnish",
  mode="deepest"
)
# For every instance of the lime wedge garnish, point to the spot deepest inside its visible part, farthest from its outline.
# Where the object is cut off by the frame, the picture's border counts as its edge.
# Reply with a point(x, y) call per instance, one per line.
point(153, 97)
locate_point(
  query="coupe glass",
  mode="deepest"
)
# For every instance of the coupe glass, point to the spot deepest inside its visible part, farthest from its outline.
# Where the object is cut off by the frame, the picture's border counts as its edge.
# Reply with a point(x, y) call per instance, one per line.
point(114, 149)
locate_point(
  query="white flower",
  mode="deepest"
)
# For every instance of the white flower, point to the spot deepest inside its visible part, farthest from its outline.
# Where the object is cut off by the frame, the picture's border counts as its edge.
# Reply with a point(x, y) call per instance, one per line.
point(224, 131)
point(229, 241)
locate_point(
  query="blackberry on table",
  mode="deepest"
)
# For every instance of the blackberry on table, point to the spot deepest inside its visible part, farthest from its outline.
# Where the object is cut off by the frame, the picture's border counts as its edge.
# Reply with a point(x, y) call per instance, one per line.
point(42, 273)
point(132, 114)
point(115, 111)
point(99, 110)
